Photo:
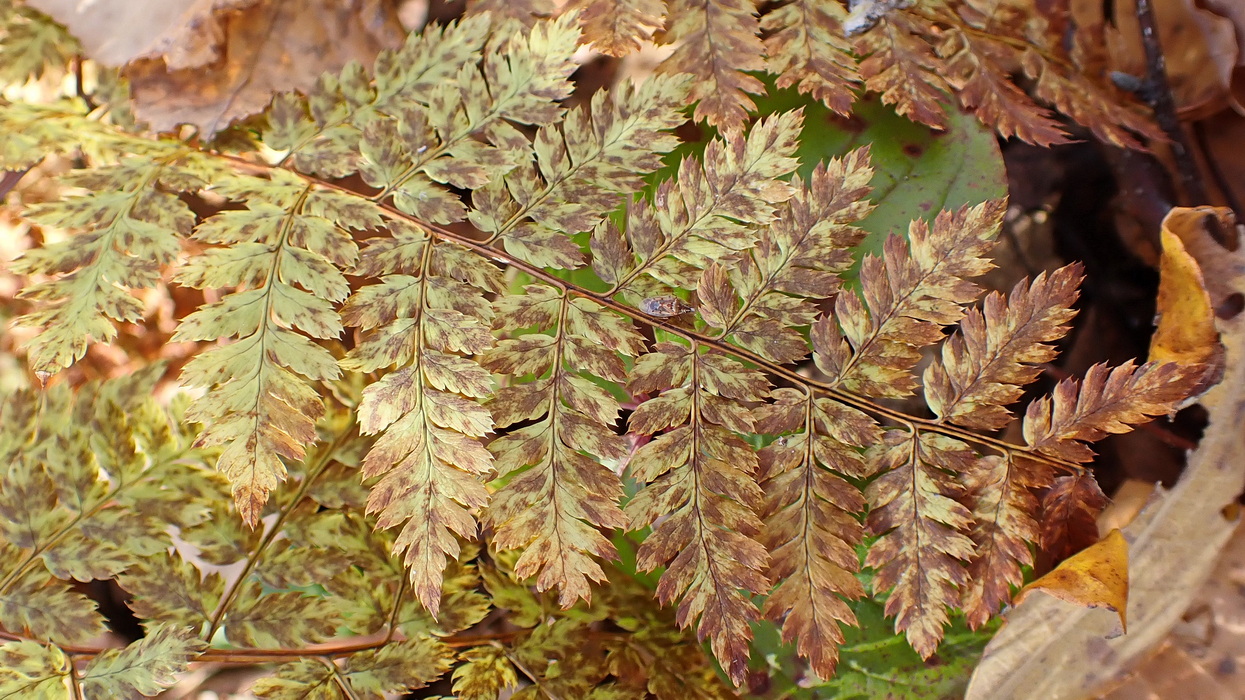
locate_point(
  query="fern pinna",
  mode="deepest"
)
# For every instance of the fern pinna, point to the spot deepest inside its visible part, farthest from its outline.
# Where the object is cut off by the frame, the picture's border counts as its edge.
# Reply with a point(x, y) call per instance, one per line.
point(485, 258)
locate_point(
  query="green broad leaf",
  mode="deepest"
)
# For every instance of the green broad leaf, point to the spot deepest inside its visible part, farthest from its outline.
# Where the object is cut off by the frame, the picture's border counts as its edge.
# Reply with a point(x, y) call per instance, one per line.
point(918, 171)
point(143, 668)
point(30, 671)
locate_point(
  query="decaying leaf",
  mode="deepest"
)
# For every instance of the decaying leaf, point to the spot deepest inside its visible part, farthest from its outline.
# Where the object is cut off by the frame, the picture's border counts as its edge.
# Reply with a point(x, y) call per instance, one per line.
point(1186, 330)
point(1097, 576)
point(209, 62)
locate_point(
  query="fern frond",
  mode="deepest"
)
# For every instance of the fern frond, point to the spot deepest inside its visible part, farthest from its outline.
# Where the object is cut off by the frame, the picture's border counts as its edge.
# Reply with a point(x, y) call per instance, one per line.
point(901, 67)
point(923, 543)
point(700, 474)
point(996, 350)
point(618, 27)
point(1001, 495)
point(797, 258)
point(143, 668)
point(1108, 400)
point(1088, 104)
point(430, 142)
point(557, 496)
point(804, 47)
point(582, 170)
point(907, 296)
point(29, 669)
point(1069, 515)
point(718, 45)
point(810, 528)
point(708, 212)
point(31, 43)
point(282, 256)
point(66, 501)
point(426, 316)
point(975, 68)
point(129, 229)
point(397, 667)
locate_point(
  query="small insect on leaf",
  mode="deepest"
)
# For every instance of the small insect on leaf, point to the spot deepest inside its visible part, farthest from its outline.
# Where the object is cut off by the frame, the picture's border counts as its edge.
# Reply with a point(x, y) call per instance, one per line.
point(665, 306)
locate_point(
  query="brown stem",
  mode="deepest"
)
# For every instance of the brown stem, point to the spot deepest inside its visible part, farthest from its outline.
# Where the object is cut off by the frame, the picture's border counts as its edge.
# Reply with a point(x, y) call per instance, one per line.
point(718, 344)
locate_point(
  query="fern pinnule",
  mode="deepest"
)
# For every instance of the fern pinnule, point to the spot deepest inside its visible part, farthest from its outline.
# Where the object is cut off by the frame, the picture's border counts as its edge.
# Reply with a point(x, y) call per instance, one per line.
point(127, 230)
point(558, 498)
point(281, 256)
point(618, 27)
point(717, 44)
point(805, 47)
point(701, 475)
point(427, 322)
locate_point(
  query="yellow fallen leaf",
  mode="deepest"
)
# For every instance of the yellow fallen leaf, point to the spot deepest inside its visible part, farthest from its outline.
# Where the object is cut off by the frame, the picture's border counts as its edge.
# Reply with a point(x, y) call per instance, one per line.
point(1095, 577)
point(1186, 331)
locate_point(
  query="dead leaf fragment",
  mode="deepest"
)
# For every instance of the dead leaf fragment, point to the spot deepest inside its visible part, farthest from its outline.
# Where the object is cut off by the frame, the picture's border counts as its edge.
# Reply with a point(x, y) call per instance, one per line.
point(186, 33)
point(1095, 577)
point(210, 62)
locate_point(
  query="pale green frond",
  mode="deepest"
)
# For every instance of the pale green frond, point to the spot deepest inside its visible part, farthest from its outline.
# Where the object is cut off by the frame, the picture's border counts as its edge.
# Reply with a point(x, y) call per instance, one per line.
point(283, 257)
point(30, 671)
point(144, 668)
point(428, 322)
point(129, 231)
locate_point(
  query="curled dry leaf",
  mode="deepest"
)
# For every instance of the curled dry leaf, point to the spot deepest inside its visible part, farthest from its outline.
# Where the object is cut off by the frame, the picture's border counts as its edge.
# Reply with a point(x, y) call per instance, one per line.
point(1050, 648)
point(1095, 577)
point(1186, 331)
point(210, 62)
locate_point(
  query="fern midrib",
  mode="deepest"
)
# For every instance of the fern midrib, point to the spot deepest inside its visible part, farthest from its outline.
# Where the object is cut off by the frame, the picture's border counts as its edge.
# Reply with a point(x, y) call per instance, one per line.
point(606, 299)
point(554, 413)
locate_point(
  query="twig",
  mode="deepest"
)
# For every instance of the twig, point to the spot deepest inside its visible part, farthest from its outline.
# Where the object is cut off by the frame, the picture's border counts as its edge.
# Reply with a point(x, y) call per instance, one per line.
point(1222, 181)
point(1157, 92)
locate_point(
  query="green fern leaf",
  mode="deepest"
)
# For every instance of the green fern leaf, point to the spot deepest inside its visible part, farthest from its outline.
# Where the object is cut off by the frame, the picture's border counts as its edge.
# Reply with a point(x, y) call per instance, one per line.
point(130, 231)
point(430, 458)
point(31, 43)
point(485, 674)
point(280, 619)
point(143, 668)
point(284, 253)
point(396, 667)
point(167, 588)
point(30, 670)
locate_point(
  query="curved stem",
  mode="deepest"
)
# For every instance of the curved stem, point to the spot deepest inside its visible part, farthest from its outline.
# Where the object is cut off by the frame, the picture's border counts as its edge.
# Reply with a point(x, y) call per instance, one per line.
point(716, 343)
